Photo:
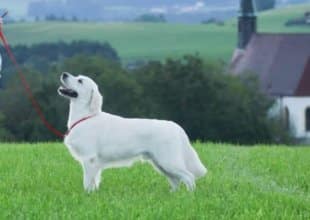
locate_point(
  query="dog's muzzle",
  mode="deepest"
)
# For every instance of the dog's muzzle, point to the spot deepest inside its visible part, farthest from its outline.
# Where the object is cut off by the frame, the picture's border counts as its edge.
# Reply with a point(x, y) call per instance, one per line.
point(67, 92)
point(64, 90)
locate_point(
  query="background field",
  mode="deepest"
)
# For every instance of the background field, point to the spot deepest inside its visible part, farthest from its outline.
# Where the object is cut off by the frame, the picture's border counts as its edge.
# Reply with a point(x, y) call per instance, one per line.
point(42, 181)
point(155, 41)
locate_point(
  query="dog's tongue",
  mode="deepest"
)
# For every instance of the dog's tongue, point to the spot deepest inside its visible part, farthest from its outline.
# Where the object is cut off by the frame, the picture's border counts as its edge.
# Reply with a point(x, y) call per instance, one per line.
point(68, 92)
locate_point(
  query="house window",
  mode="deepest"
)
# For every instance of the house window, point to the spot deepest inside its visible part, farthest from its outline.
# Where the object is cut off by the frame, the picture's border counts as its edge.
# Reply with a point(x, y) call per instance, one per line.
point(286, 118)
point(308, 119)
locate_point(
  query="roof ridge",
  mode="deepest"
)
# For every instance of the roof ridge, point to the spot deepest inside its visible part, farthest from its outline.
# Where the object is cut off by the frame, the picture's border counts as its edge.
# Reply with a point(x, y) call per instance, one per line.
point(279, 34)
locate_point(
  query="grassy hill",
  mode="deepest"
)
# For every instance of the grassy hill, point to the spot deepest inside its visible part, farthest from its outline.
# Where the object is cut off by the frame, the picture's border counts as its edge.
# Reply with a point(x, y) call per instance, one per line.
point(274, 20)
point(42, 181)
point(155, 41)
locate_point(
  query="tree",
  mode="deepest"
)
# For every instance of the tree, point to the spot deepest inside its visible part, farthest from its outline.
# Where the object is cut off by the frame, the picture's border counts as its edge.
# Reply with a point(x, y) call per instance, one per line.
point(75, 18)
point(209, 104)
point(155, 18)
point(40, 56)
point(4, 133)
point(50, 17)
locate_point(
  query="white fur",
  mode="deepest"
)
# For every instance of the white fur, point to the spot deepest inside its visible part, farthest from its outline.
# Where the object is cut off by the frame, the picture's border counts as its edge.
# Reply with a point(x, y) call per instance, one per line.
point(107, 140)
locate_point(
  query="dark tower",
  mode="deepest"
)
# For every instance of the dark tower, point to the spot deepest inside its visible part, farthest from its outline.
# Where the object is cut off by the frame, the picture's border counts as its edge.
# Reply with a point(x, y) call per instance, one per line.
point(246, 23)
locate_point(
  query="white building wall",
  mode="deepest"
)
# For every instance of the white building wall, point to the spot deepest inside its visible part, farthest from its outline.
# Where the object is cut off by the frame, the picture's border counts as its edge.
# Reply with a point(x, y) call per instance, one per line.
point(297, 107)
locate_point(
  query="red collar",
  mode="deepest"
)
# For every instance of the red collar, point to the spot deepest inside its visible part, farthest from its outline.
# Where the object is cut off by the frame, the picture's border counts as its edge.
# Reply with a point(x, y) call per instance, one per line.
point(78, 122)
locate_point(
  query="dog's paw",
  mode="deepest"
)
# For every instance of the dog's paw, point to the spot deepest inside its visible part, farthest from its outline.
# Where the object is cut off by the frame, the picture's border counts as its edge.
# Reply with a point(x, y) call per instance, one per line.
point(90, 188)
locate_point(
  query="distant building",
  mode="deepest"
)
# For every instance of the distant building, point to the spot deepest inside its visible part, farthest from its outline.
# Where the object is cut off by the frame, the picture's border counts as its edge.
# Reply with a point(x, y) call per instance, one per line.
point(282, 64)
point(307, 17)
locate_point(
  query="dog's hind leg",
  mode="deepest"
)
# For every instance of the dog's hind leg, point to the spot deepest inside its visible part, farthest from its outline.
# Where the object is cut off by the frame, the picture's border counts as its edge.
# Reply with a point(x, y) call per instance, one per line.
point(173, 180)
point(177, 176)
point(183, 176)
point(174, 174)
point(188, 179)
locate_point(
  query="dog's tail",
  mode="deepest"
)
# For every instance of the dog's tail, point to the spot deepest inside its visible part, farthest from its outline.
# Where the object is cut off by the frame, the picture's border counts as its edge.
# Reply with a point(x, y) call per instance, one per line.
point(194, 165)
point(192, 161)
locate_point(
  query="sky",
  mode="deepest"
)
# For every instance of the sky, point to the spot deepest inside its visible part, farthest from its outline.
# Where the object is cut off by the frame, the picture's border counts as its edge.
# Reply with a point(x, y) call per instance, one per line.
point(18, 8)
point(15, 7)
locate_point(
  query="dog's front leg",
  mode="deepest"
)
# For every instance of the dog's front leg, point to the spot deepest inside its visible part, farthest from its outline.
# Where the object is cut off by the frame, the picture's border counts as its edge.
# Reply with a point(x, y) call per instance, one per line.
point(91, 177)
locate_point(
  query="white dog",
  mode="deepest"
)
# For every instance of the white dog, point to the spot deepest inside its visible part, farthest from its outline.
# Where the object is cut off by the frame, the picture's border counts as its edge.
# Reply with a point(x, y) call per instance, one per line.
point(100, 140)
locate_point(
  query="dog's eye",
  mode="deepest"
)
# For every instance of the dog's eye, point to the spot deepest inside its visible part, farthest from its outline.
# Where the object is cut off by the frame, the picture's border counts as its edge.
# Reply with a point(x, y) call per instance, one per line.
point(80, 81)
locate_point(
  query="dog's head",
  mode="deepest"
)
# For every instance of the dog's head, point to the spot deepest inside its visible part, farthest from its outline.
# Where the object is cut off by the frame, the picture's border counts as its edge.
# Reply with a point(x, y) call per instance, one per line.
point(81, 90)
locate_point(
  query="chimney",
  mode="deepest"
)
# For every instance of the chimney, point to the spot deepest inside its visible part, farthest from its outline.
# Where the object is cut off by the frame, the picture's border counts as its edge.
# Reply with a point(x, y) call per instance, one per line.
point(246, 23)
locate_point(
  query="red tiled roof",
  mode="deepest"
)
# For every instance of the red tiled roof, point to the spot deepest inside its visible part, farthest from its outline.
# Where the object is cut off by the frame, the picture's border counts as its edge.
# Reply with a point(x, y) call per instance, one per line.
point(280, 61)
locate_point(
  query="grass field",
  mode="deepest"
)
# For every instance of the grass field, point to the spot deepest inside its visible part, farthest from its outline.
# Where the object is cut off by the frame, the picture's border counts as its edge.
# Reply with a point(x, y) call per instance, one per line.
point(155, 41)
point(42, 181)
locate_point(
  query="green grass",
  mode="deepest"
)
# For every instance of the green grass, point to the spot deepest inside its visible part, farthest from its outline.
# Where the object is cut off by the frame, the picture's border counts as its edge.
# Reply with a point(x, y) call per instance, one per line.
point(133, 40)
point(155, 41)
point(274, 20)
point(42, 181)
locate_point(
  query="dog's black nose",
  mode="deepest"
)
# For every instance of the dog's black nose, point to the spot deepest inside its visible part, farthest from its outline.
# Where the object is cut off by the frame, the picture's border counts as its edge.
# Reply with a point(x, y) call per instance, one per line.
point(64, 76)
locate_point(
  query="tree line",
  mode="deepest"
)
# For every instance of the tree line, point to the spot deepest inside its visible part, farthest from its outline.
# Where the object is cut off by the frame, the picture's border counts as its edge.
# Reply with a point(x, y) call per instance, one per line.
point(208, 103)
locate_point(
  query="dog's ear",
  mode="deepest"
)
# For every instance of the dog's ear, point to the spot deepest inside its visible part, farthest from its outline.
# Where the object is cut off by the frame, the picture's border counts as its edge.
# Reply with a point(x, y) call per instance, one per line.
point(95, 102)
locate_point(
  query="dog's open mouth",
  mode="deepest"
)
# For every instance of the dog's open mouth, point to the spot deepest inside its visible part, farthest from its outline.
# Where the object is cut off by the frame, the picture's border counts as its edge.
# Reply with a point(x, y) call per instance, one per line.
point(67, 92)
